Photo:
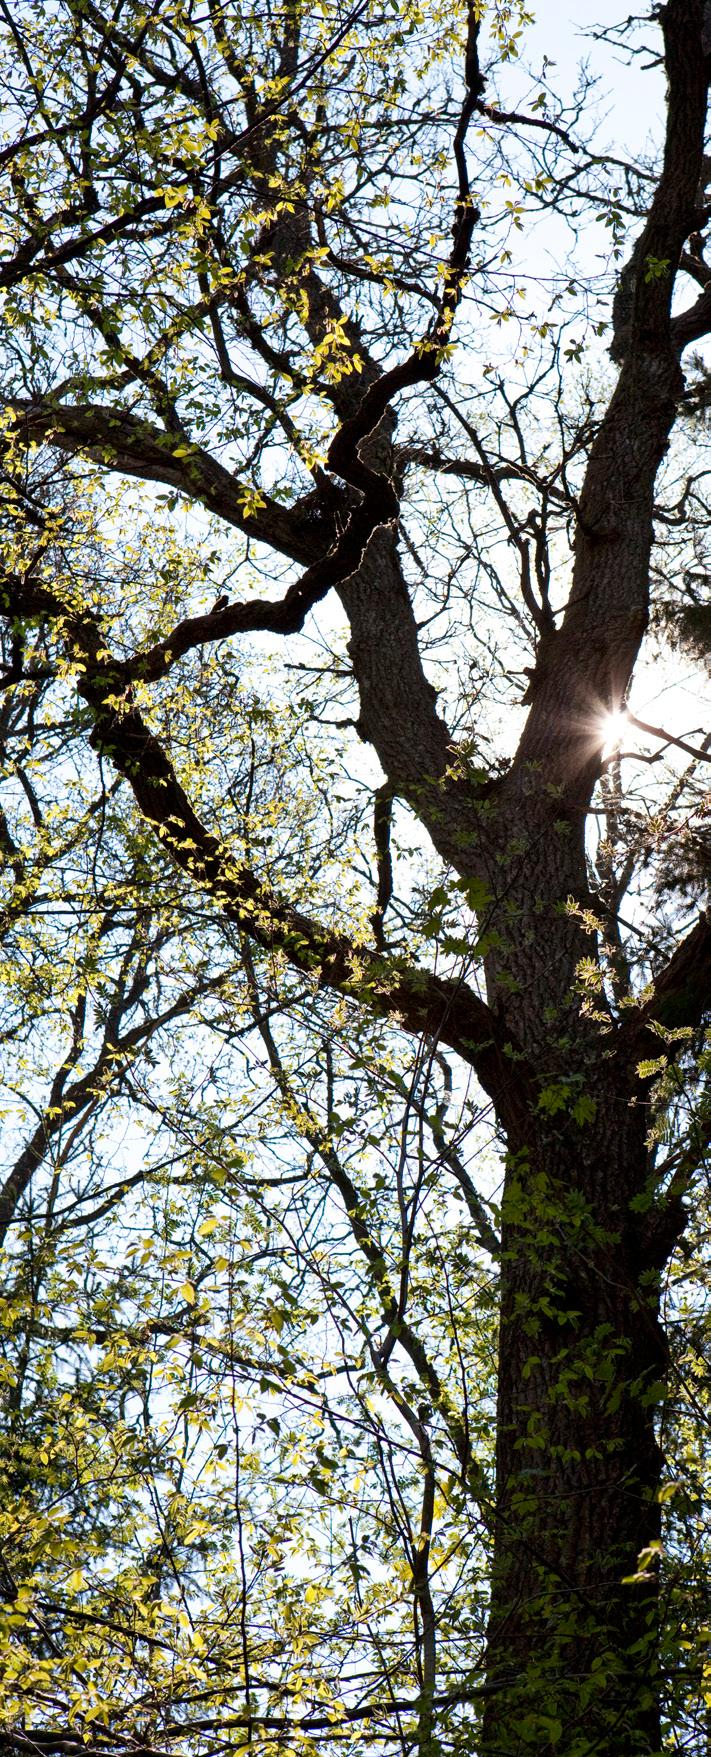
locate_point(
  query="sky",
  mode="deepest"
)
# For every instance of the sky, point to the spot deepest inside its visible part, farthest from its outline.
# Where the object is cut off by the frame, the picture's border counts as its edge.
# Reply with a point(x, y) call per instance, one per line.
point(567, 34)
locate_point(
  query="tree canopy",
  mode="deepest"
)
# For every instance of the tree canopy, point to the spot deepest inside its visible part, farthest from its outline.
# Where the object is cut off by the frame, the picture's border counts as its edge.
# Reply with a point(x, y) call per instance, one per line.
point(354, 1216)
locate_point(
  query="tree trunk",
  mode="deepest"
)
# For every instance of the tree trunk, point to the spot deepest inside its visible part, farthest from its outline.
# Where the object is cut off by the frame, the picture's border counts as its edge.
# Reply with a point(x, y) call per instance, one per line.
point(573, 1622)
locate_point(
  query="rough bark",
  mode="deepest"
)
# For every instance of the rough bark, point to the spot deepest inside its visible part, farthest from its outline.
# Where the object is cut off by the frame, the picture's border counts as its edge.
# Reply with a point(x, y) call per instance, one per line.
point(572, 1639)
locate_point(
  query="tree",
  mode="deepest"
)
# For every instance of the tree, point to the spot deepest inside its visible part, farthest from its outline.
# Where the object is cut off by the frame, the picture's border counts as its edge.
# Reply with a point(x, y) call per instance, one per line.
point(312, 1432)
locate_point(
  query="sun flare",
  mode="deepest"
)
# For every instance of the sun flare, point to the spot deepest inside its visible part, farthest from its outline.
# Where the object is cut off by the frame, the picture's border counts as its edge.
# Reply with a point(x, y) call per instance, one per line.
point(614, 727)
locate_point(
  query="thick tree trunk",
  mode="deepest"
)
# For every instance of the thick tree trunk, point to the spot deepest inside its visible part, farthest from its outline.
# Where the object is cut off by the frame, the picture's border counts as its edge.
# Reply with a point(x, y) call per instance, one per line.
point(573, 1624)
point(573, 1644)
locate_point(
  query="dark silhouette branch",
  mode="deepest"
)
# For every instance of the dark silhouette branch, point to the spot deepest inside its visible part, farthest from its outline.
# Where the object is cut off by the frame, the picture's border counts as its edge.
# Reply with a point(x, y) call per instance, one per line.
point(584, 669)
point(681, 996)
point(119, 440)
point(417, 1000)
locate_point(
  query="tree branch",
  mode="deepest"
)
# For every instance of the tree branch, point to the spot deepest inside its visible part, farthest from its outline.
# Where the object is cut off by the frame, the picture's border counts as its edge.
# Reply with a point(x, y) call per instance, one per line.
point(583, 671)
point(67, 1103)
point(682, 991)
point(694, 323)
point(120, 440)
point(442, 1008)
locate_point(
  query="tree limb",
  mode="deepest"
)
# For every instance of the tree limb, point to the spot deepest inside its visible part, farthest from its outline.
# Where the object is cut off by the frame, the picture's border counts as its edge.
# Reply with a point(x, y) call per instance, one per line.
point(681, 995)
point(584, 669)
point(442, 1008)
point(120, 440)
